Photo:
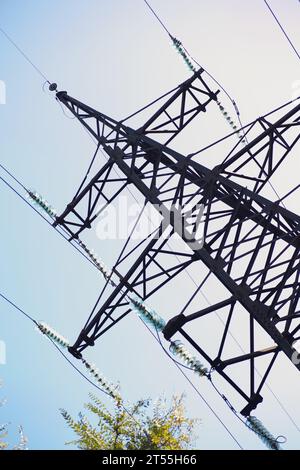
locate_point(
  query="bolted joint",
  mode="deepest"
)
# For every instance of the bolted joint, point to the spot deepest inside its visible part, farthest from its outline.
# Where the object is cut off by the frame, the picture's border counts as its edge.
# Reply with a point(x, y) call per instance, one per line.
point(84, 337)
point(74, 352)
point(218, 365)
point(288, 336)
point(255, 400)
point(61, 94)
point(173, 326)
point(214, 96)
point(53, 86)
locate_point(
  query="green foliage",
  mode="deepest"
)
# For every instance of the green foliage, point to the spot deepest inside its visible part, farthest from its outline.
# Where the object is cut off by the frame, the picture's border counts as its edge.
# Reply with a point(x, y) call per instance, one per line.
point(22, 445)
point(146, 426)
point(3, 435)
point(3, 432)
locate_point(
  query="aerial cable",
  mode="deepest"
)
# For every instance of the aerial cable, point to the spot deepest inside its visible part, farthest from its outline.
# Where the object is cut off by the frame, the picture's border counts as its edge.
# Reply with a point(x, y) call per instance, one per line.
point(266, 437)
point(147, 315)
point(18, 308)
point(60, 343)
point(188, 59)
point(107, 273)
point(179, 367)
point(158, 18)
point(249, 125)
point(254, 424)
point(61, 233)
point(282, 29)
point(53, 87)
point(108, 279)
point(251, 422)
point(12, 176)
point(37, 199)
point(24, 55)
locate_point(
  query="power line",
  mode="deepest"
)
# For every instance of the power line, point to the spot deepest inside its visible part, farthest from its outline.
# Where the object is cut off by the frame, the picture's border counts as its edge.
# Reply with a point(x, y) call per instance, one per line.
point(158, 18)
point(12, 176)
point(24, 55)
point(244, 352)
point(39, 71)
point(275, 441)
point(209, 406)
point(27, 58)
point(178, 364)
point(179, 367)
point(222, 88)
point(18, 308)
point(282, 29)
point(61, 352)
point(96, 386)
point(29, 317)
point(187, 272)
point(64, 236)
point(227, 136)
point(199, 65)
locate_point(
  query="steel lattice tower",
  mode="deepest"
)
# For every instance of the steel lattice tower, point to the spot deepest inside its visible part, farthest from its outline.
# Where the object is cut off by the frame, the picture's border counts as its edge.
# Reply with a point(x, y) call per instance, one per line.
point(251, 244)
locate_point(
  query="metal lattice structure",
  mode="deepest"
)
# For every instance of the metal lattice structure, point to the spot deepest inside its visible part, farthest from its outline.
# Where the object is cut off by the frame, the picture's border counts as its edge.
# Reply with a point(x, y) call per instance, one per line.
point(251, 244)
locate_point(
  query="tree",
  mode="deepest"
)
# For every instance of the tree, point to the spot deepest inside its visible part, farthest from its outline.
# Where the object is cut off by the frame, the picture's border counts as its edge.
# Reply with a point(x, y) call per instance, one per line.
point(147, 425)
point(3, 431)
point(22, 445)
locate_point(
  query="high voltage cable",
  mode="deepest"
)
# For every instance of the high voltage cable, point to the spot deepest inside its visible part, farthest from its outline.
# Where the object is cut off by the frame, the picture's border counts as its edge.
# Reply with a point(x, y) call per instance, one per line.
point(158, 18)
point(219, 393)
point(199, 65)
point(243, 351)
point(209, 303)
point(251, 423)
point(18, 48)
point(21, 51)
point(44, 218)
point(219, 84)
point(103, 391)
point(29, 317)
point(18, 308)
point(44, 77)
point(86, 378)
point(275, 443)
point(96, 386)
point(282, 29)
point(187, 272)
point(179, 367)
point(227, 136)
point(163, 348)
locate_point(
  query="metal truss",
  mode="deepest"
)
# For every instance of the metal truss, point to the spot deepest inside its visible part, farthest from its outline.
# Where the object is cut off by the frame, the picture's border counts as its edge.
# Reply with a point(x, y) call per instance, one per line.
point(251, 244)
point(255, 164)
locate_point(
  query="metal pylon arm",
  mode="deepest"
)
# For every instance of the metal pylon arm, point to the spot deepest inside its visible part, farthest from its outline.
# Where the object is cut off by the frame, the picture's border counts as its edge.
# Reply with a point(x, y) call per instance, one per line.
point(251, 246)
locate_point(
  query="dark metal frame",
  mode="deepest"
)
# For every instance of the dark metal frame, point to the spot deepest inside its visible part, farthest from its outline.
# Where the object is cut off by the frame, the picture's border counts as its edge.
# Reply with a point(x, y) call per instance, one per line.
point(251, 243)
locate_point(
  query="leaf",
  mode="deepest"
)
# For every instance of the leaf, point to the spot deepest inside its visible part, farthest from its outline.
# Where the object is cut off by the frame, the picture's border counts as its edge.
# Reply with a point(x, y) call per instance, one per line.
point(148, 425)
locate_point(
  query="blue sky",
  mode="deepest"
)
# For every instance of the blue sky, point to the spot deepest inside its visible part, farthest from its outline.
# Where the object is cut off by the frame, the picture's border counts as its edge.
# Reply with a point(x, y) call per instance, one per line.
point(114, 56)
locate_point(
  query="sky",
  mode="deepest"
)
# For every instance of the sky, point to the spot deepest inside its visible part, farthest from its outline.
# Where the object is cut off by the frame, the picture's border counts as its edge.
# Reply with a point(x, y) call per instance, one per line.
point(115, 57)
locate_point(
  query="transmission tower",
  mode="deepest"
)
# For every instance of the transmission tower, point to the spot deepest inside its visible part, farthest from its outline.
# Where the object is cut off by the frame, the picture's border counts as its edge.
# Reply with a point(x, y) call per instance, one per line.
point(251, 244)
